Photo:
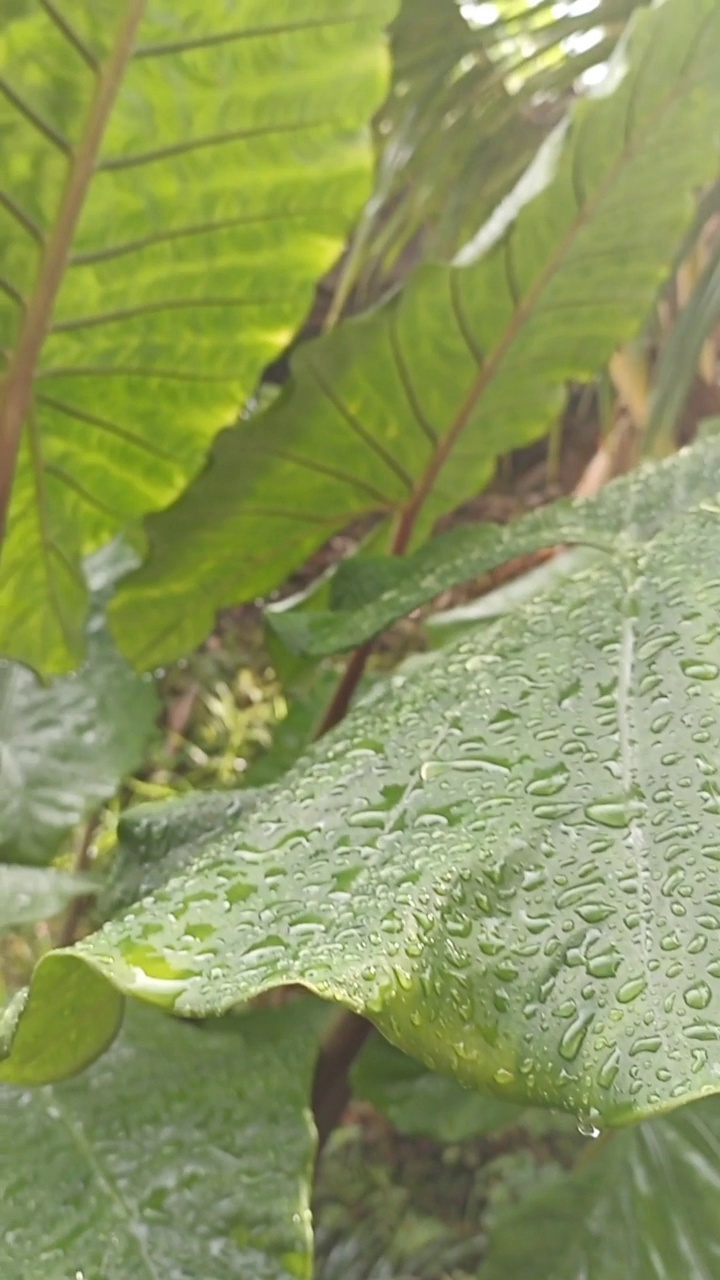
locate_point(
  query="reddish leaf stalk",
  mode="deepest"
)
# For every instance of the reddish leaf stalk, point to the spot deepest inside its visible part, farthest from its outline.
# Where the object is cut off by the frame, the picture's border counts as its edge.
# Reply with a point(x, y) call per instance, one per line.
point(17, 386)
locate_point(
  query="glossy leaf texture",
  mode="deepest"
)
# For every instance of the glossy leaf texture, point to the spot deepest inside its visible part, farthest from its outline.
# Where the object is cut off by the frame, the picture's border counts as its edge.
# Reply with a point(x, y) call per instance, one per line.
point(156, 840)
point(509, 861)
point(175, 182)
point(368, 594)
point(66, 746)
point(644, 1206)
point(186, 1152)
point(403, 411)
point(28, 894)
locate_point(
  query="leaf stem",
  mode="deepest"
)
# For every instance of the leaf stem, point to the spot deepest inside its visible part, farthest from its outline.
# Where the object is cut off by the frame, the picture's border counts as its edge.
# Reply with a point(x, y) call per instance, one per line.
point(331, 1086)
point(78, 907)
point(340, 702)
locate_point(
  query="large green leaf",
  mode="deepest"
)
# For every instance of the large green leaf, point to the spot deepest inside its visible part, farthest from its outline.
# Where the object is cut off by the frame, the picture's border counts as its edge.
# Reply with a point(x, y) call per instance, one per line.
point(65, 746)
point(404, 411)
point(470, 102)
point(174, 182)
point(155, 1165)
point(509, 862)
point(644, 1208)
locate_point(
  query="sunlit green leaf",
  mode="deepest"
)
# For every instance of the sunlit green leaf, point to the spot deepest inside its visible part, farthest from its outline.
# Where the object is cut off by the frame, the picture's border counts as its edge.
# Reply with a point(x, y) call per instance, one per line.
point(186, 1153)
point(160, 236)
point(403, 411)
point(470, 103)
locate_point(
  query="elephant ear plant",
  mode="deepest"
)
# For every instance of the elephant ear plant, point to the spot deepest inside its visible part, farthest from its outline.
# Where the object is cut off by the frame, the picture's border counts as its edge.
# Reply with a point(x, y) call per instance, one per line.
point(502, 858)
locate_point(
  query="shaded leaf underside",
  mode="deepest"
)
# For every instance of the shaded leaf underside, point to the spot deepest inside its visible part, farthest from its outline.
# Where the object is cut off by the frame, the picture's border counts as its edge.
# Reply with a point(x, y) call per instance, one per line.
point(404, 411)
point(509, 861)
point(174, 184)
point(65, 747)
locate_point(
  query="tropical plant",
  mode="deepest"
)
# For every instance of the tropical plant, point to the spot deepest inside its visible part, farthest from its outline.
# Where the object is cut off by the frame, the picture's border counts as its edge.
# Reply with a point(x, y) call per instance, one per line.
point(490, 889)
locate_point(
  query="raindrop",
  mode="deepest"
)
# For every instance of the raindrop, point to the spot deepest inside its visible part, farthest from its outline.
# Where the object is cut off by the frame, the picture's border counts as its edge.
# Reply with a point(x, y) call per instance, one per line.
point(631, 989)
point(609, 813)
point(586, 1127)
point(572, 1040)
point(609, 1069)
point(604, 966)
point(430, 769)
point(503, 1077)
point(548, 782)
point(700, 670)
point(698, 996)
point(645, 1044)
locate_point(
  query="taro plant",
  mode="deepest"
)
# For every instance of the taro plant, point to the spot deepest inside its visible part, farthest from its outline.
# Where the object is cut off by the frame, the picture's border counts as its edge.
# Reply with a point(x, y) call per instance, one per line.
point(476, 888)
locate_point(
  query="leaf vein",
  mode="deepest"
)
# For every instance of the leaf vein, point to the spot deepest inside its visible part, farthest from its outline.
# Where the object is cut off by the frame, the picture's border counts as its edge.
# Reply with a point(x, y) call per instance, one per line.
point(360, 430)
point(108, 1185)
point(119, 163)
point(155, 308)
point(70, 34)
point(246, 33)
point(406, 381)
point(104, 424)
point(34, 118)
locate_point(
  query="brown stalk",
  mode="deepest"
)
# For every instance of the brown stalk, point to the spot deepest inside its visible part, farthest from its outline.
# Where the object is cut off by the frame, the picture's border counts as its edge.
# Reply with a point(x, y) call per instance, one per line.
point(70, 930)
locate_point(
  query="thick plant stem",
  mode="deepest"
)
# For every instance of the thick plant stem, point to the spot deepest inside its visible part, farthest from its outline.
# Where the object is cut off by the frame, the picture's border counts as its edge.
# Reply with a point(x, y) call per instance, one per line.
point(78, 907)
point(340, 703)
point(331, 1086)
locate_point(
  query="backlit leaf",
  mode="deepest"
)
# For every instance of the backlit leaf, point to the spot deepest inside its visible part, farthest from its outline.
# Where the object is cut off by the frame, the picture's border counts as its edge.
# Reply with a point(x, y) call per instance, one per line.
point(175, 180)
point(402, 412)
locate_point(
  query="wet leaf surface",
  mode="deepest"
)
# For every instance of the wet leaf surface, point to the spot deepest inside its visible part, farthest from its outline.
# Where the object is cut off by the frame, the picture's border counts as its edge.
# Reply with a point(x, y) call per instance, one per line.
point(186, 1152)
point(368, 594)
point(509, 862)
